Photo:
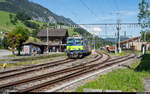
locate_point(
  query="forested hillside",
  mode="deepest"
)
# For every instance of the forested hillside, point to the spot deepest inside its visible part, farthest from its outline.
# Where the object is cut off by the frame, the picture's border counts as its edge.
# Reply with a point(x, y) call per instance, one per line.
point(35, 11)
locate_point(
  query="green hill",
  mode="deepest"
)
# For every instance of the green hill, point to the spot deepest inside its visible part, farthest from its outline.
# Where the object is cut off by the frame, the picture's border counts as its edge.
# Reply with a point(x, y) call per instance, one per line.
point(36, 11)
point(5, 23)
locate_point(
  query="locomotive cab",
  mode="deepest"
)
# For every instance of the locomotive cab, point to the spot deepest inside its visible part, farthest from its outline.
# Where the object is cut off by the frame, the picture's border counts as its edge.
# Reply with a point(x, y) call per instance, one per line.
point(76, 47)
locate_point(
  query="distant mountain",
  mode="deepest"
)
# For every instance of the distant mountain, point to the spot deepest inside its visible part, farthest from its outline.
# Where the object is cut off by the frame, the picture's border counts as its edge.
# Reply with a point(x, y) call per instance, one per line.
point(122, 38)
point(35, 11)
point(39, 13)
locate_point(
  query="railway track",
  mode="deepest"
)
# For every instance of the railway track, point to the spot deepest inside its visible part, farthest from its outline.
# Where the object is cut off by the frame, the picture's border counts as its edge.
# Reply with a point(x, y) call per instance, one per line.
point(78, 73)
point(25, 70)
point(78, 70)
point(30, 69)
point(77, 67)
point(39, 65)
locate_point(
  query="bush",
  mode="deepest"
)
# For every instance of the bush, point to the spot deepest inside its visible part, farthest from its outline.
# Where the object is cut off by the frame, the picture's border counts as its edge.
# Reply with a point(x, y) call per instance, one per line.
point(5, 43)
point(35, 32)
point(13, 19)
point(32, 25)
point(22, 16)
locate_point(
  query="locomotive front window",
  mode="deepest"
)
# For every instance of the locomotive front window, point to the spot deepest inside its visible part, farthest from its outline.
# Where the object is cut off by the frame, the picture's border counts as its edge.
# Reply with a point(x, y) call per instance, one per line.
point(70, 41)
point(78, 41)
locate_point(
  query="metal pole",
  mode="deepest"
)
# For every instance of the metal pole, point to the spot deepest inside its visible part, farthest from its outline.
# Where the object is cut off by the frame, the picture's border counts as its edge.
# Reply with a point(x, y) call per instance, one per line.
point(118, 29)
point(145, 36)
point(94, 43)
point(115, 43)
point(47, 40)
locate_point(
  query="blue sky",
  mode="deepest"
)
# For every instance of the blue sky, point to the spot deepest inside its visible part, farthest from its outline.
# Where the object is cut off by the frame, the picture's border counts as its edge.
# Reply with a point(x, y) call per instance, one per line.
point(100, 11)
point(94, 11)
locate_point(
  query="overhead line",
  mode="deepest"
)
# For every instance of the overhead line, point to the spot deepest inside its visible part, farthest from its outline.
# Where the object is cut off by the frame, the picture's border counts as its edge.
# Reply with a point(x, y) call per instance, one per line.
point(111, 24)
point(88, 8)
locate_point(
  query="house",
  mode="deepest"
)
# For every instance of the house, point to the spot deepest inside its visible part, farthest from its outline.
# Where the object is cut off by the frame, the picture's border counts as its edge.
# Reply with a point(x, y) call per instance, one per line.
point(52, 41)
point(57, 39)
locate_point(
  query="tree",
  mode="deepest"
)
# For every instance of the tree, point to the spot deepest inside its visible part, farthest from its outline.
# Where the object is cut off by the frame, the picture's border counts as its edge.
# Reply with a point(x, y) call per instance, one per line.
point(16, 38)
point(145, 35)
point(13, 19)
point(144, 14)
point(32, 25)
point(22, 16)
point(5, 42)
point(144, 18)
point(35, 32)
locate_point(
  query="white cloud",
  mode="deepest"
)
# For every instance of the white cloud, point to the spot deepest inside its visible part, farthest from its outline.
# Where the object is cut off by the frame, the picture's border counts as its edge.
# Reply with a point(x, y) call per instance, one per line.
point(97, 29)
point(94, 29)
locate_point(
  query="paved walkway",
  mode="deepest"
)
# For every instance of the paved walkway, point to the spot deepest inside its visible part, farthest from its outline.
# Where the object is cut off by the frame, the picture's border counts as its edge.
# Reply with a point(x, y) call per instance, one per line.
point(5, 53)
point(146, 82)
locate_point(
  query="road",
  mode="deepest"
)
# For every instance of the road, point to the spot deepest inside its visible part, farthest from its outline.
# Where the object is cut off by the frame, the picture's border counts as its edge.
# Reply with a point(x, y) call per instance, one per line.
point(5, 53)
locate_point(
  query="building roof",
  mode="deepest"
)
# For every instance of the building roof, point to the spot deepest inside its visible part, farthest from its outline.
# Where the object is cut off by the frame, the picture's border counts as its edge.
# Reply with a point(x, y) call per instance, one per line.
point(34, 43)
point(42, 44)
point(53, 33)
point(129, 40)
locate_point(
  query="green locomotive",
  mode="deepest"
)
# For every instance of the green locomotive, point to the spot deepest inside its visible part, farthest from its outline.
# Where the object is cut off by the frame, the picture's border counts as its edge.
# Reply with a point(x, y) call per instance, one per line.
point(77, 47)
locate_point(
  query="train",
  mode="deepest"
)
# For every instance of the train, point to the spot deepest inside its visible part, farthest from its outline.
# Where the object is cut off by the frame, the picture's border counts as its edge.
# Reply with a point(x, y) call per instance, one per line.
point(110, 48)
point(77, 47)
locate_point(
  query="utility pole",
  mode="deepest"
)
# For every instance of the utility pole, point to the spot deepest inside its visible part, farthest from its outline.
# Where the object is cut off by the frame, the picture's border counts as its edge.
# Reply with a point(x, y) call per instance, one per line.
point(94, 41)
point(145, 36)
point(47, 40)
point(116, 43)
point(118, 36)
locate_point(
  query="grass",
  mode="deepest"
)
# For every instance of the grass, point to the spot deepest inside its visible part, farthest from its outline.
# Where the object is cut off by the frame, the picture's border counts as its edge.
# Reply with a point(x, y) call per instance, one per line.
point(6, 25)
point(123, 53)
point(127, 80)
point(4, 18)
point(28, 62)
point(38, 57)
point(31, 60)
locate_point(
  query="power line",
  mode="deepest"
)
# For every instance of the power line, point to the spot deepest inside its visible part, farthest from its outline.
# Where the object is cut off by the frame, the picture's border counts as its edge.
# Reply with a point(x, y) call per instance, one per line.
point(85, 5)
point(74, 14)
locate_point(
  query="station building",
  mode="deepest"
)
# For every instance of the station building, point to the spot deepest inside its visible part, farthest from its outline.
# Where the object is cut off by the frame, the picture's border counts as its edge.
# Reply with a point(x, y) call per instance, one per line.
point(57, 39)
point(134, 44)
